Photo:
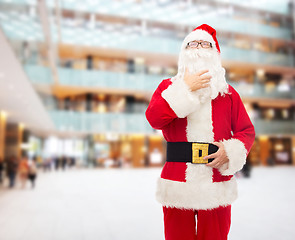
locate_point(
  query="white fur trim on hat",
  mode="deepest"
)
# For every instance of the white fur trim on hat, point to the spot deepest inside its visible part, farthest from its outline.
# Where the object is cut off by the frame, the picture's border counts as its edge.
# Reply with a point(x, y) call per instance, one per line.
point(198, 35)
point(236, 153)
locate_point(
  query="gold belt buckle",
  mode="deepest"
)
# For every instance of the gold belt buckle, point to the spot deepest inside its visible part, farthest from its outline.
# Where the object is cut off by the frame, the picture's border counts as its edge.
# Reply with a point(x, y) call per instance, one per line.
point(196, 148)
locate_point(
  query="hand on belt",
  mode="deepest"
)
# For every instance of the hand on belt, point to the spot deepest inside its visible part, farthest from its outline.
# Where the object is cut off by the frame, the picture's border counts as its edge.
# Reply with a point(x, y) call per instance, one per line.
point(190, 152)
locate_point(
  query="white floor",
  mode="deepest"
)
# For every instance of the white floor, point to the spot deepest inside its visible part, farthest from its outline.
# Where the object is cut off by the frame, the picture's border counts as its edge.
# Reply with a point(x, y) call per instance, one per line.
point(120, 205)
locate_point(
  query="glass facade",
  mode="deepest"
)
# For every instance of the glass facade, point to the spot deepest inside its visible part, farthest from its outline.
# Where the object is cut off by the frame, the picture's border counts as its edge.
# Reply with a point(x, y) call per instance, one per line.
point(95, 64)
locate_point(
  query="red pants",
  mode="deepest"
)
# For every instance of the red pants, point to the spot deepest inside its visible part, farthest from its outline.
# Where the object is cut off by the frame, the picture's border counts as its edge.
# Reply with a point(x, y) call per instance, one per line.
point(211, 224)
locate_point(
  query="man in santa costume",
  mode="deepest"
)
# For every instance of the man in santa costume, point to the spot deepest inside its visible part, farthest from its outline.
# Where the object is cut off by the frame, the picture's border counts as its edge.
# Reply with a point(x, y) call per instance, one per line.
point(208, 134)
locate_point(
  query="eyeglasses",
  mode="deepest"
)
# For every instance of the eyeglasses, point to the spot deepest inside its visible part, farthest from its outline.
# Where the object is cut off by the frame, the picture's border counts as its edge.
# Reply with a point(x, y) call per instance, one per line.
point(195, 44)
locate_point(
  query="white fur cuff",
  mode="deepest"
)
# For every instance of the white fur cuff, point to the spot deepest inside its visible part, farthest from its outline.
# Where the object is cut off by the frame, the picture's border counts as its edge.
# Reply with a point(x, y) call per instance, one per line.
point(181, 100)
point(236, 153)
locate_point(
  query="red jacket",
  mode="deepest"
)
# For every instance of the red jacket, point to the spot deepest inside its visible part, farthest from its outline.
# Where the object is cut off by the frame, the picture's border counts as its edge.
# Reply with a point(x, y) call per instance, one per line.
point(182, 117)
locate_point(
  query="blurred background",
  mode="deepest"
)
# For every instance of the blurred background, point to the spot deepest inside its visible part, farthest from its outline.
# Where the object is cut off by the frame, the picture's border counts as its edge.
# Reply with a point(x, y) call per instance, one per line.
point(76, 78)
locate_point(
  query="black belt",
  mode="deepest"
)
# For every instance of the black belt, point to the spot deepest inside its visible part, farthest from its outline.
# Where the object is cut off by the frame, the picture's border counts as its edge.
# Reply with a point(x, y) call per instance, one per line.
point(190, 152)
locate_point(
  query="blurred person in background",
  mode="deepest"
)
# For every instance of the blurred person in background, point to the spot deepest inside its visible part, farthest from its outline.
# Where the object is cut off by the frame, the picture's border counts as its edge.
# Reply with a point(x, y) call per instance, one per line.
point(1, 169)
point(72, 162)
point(64, 162)
point(26, 52)
point(246, 170)
point(270, 160)
point(47, 164)
point(208, 134)
point(56, 162)
point(39, 161)
point(32, 173)
point(11, 170)
point(23, 170)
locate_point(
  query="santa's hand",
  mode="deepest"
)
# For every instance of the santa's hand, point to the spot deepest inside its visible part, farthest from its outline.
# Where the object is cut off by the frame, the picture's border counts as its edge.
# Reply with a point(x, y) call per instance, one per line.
point(197, 80)
point(220, 156)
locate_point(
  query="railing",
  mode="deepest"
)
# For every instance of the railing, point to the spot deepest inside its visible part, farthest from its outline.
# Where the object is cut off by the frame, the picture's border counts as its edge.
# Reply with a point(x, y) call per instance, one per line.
point(170, 46)
point(275, 6)
point(89, 122)
point(118, 8)
point(259, 90)
point(136, 81)
point(39, 74)
point(274, 126)
point(25, 27)
point(252, 56)
point(192, 15)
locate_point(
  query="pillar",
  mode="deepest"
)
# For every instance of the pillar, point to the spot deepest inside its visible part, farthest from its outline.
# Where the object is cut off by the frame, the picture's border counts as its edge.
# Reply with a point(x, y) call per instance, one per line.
point(264, 149)
point(293, 150)
point(138, 150)
point(14, 140)
point(3, 117)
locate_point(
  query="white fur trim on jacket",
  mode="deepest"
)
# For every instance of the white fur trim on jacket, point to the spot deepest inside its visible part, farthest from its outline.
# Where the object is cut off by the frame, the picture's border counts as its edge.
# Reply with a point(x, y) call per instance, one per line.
point(199, 124)
point(236, 153)
point(181, 100)
point(198, 192)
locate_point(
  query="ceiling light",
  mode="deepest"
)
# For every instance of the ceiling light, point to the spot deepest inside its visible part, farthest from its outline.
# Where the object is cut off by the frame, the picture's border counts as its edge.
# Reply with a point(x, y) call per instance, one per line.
point(260, 72)
point(3, 114)
point(284, 86)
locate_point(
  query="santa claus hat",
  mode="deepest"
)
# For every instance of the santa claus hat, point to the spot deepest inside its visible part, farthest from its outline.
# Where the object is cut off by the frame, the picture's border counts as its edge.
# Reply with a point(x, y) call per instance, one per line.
point(205, 33)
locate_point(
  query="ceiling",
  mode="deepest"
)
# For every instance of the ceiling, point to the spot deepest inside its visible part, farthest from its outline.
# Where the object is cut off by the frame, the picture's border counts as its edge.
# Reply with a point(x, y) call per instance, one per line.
point(17, 96)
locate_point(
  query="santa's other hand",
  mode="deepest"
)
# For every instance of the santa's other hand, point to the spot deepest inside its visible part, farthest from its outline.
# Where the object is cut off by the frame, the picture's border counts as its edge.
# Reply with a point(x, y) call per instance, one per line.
point(220, 156)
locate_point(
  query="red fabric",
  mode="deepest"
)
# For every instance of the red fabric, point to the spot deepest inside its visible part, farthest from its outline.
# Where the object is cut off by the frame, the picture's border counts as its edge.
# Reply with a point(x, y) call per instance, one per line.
point(174, 171)
point(211, 224)
point(221, 118)
point(228, 115)
point(217, 177)
point(211, 31)
point(161, 116)
point(241, 125)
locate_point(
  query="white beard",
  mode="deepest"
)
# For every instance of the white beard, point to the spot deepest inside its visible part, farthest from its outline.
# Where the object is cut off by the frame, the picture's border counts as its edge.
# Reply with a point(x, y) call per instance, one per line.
point(196, 60)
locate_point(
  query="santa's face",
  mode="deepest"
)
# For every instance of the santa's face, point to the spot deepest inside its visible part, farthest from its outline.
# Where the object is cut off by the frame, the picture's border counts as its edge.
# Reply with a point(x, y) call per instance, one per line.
point(197, 59)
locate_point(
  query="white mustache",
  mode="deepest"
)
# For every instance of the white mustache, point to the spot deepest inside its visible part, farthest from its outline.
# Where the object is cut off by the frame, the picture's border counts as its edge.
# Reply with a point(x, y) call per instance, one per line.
point(198, 53)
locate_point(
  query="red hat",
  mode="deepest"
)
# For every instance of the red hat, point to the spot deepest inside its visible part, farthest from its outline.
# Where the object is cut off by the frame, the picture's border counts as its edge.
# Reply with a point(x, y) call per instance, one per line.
point(203, 32)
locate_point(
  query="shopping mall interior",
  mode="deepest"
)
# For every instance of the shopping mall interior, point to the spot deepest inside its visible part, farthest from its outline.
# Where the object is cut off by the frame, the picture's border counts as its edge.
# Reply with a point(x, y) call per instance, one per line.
point(76, 82)
point(76, 78)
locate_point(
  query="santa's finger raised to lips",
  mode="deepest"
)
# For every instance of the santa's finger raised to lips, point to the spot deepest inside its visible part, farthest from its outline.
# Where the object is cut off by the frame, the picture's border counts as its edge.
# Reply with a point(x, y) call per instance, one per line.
point(198, 80)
